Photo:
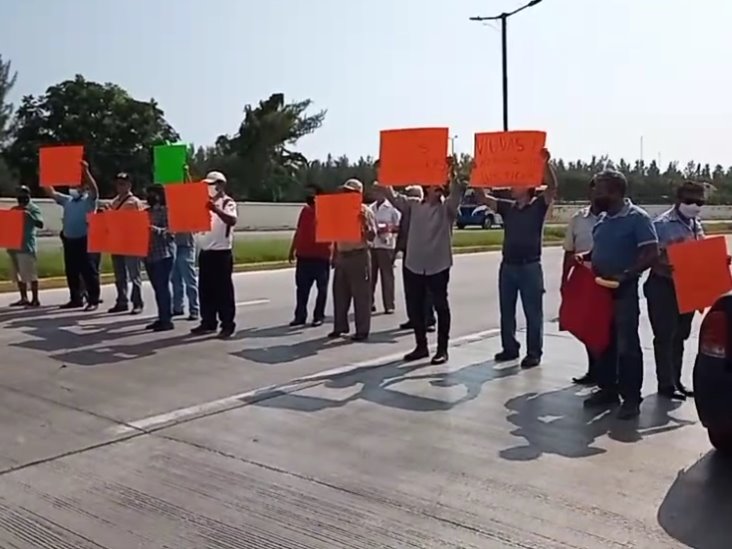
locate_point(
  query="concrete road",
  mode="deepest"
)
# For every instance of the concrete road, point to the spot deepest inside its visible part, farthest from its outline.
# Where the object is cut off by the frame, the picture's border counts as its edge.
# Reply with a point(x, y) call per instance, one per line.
point(114, 438)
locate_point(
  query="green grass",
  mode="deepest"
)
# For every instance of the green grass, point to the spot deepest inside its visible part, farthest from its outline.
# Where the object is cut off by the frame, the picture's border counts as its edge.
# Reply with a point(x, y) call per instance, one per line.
point(250, 252)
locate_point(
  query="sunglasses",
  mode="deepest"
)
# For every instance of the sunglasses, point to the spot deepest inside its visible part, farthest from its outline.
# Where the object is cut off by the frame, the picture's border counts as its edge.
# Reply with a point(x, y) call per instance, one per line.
point(690, 201)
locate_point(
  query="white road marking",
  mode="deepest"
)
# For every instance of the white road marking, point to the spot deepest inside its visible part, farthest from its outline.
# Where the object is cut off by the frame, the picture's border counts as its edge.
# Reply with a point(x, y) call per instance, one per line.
point(241, 399)
point(252, 302)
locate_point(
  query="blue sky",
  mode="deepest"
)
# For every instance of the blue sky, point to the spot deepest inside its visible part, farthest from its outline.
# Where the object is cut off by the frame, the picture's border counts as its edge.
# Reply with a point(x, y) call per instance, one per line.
point(595, 74)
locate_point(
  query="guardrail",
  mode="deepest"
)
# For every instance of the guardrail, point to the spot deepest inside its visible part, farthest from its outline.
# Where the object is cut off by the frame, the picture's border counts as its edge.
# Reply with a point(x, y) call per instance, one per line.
point(274, 216)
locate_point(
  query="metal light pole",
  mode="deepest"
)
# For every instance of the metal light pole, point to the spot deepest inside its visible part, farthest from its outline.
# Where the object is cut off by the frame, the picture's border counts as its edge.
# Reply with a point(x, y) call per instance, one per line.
point(503, 18)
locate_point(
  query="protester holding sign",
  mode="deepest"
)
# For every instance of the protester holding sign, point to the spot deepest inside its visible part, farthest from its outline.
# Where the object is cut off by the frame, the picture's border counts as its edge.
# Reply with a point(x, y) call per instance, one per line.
point(216, 262)
point(521, 272)
point(80, 201)
point(352, 274)
point(671, 328)
point(578, 240)
point(624, 246)
point(428, 260)
point(159, 261)
point(23, 262)
point(185, 275)
point(127, 269)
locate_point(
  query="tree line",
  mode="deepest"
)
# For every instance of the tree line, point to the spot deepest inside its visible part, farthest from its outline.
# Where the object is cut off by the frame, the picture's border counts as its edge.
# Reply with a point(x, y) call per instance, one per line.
point(260, 158)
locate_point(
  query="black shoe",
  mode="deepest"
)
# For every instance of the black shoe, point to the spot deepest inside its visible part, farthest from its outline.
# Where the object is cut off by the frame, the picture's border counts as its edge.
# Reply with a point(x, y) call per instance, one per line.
point(671, 393)
point(530, 362)
point(373, 309)
point(226, 333)
point(681, 388)
point(317, 323)
point(153, 325)
point(629, 409)
point(72, 305)
point(91, 307)
point(359, 337)
point(586, 380)
point(164, 327)
point(118, 309)
point(441, 357)
point(601, 399)
point(406, 326)
point(20, 303)
point(335, 334)
point(136, 310)
point(431, 328)
point(193, 318)
point(178, 313)
point(203, 330)
point(297, 323)
point(34, 304)
point(418, 354)
point(505, 356)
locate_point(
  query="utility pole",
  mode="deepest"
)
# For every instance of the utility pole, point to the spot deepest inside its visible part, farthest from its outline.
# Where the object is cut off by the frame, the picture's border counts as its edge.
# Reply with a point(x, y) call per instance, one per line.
point(503, 18)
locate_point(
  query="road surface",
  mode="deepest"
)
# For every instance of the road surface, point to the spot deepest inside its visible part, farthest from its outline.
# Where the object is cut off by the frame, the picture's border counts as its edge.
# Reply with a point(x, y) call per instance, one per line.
point(114, 438)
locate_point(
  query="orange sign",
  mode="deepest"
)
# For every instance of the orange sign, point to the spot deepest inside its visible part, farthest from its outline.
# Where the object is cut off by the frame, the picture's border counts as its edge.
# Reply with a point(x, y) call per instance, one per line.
point(414, 157)
point(128, 232)
point(97, 235)
point(12, 227)
point(188, 208)
point(698, 288)
point(60, 166)
point(338, 217)
point(508, 159)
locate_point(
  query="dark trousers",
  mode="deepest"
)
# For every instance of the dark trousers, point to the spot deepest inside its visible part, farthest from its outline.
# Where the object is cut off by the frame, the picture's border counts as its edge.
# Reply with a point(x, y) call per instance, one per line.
point(216, 288)
point(429, 306)
point(592, 364)
point(80, 266)
point(352, 282)
point(670, 329)
point(382, 263)
point(525, 280)
point(417, 287)
point(309, 271)
point(159, 274)
point(621, 367)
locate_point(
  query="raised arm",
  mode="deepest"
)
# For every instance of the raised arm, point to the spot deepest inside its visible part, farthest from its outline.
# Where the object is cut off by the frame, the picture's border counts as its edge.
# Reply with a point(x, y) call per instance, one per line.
point(457, 192)
point(88, 179)
point(399, 201)
point(57, 197)
point(550, 179)
point(484, 199)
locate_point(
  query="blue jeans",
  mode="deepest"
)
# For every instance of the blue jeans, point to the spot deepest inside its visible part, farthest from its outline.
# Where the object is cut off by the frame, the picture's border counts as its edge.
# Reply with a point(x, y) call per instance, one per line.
point(309, 271)
point(621, 367)
point(526, 280)
point(159, 274)
point(185, 277)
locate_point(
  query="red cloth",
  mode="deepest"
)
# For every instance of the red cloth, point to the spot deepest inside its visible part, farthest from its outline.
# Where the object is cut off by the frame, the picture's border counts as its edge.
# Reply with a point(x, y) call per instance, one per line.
point(586, 311)
point(305, 244)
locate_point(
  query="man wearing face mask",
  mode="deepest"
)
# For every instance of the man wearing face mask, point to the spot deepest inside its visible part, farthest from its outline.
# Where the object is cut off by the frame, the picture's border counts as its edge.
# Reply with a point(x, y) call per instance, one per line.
point(78, 263)
point(625, 244)
point(521, 271)
point(216, 262)
point(671, 328)
point(23, 262)
point(312, 265)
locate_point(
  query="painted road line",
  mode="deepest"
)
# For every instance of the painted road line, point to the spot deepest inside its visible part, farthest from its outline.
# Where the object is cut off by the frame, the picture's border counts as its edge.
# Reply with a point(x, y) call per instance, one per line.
point(239, 400)
point(252, 302)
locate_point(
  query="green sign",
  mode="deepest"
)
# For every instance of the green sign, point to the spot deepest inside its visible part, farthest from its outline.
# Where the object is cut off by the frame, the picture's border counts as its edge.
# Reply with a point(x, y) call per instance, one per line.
point(169, 161)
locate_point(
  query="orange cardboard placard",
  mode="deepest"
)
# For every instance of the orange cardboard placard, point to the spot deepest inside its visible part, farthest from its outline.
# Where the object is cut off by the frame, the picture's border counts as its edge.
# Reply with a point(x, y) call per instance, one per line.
point(12, 227)
point(60, 166)
point(414, 157)
point(188, 208)
point(698, 288)
point(338, 217)
point(128, 232)
point(97, 234)
point(508, 159)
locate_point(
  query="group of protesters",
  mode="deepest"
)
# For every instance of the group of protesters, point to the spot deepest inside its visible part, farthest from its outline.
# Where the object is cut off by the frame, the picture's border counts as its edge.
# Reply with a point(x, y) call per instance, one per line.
point(617, 238)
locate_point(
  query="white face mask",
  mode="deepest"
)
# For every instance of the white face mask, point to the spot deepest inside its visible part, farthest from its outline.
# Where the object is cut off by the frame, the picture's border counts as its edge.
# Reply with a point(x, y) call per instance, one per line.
point(690, 211)
point(74, 193)
point(212, 191)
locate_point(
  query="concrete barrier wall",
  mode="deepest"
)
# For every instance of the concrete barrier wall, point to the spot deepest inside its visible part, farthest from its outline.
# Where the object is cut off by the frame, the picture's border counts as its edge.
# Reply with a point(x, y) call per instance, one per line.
point(261, 216)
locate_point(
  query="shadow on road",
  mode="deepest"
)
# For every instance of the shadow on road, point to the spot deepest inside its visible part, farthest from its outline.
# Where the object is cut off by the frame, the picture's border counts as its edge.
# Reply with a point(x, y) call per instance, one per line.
point(696, 510)
point(556, 423)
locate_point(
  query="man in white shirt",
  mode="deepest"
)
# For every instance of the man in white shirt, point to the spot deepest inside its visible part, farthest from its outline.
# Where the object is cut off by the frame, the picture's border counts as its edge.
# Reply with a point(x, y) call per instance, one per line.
point(383, 252)
point(216, 262)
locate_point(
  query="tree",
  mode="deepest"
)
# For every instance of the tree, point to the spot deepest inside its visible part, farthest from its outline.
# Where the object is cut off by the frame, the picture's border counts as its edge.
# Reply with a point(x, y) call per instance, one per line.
point(7, 81)
point(259, 157)
point(117, 131)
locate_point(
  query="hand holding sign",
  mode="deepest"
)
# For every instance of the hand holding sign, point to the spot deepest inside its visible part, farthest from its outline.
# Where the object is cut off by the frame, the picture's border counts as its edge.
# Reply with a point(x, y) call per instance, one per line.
point(509, 159)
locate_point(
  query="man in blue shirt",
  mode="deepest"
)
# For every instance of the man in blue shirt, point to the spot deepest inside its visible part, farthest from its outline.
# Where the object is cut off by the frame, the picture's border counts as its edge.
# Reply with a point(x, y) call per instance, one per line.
point(670, 328)
point(78, 263)
point(624, 245)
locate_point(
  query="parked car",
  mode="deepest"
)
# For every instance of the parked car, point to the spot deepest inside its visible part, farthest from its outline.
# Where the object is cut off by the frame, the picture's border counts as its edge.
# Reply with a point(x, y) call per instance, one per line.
point(713, 375)
point(471, 214)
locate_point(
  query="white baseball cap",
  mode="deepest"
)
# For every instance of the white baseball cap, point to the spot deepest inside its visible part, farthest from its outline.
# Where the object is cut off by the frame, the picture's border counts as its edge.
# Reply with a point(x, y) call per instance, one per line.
point(214, 177)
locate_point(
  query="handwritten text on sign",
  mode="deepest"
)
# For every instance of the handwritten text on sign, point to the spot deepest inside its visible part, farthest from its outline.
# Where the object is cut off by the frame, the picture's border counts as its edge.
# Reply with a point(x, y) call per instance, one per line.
point(508, 159)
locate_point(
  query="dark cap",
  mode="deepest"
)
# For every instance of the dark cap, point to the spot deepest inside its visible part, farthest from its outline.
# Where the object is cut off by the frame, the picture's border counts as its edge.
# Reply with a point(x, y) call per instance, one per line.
point(23, 189)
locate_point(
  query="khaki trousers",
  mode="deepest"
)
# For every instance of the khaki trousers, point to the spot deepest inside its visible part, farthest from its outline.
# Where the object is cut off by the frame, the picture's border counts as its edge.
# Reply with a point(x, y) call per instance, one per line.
point(352, 282)
point(382, 264)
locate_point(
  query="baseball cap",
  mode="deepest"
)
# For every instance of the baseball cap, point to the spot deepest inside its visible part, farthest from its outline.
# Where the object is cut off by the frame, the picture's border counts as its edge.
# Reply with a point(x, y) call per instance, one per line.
point(353, 185)
point(214, 177)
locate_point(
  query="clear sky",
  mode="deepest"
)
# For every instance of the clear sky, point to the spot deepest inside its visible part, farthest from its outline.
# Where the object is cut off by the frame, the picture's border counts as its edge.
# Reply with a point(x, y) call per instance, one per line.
point(595, 74)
